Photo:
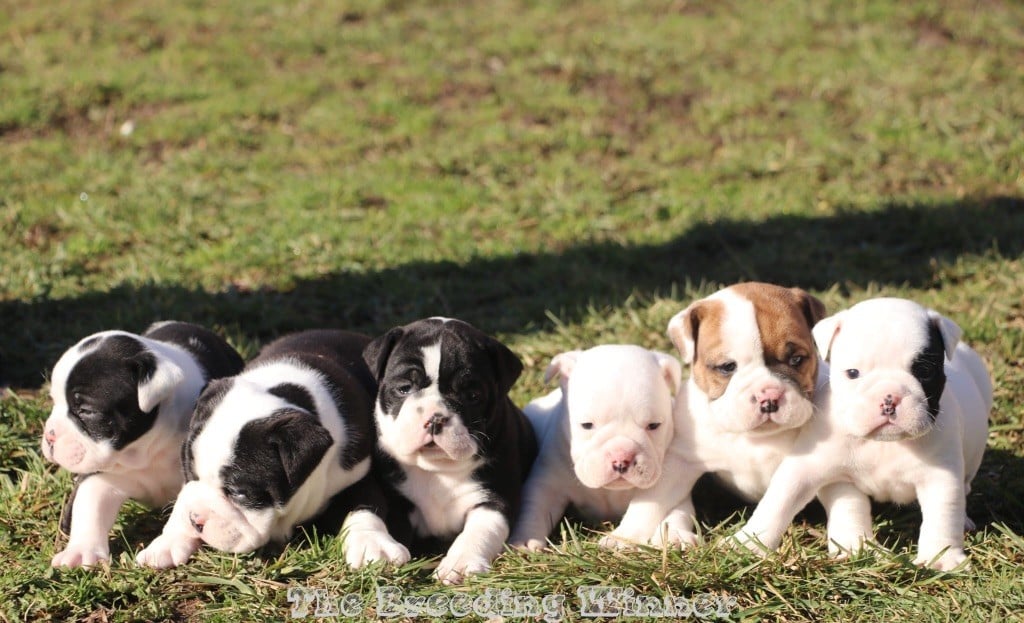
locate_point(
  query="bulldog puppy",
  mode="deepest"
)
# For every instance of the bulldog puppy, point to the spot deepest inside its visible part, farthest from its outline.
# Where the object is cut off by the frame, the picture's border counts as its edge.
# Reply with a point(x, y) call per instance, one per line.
point(268, 450)
point(452, 447)
point(603, 436)
point(754, 374)
point(906, 419)
point(121, 407)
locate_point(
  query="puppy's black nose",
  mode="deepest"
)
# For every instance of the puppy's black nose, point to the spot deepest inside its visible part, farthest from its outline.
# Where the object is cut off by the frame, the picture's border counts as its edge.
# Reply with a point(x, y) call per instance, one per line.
point(769, 406)
point(436, 423)
point(889, 405)
point(621, 466)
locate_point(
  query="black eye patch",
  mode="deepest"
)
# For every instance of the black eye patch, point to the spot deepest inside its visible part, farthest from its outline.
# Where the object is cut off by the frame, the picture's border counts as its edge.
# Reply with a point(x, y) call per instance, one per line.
point(928, 368)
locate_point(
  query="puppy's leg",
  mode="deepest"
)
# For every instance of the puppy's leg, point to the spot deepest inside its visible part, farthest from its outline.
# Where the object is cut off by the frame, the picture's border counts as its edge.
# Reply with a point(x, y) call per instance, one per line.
point(943, 514)
point(792, 486)
point(367, 540)
point(678, 527)
point(479, 543)
point(544, 502)
point(176, 544)
point(94, 506)
point(849, 518)
point(650, 507)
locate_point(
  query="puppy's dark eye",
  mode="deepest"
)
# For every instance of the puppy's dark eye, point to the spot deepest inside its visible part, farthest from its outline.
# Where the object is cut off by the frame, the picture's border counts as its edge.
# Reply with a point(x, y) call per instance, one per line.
point(653, 425)
point(235, 494)
point(403, 389)
point(587, 425)
point(852, 373)
point(725, 369)
point(796, 360)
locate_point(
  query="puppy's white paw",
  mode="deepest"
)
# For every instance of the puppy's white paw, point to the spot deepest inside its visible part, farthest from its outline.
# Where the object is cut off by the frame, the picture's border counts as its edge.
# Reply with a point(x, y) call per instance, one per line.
point(741, 540)
point(843, 546)
point(674, 534)
point(82, 555)
point(457, 564)
point(363, 547)
point(949, 560)
point(617, 542)
point(532, 545)
point(165, 552)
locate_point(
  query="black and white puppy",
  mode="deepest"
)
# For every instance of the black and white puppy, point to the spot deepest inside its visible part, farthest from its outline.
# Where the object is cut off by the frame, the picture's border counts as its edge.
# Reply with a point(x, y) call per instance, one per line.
point(451, 443)
point(268, 450)
point(121, 408)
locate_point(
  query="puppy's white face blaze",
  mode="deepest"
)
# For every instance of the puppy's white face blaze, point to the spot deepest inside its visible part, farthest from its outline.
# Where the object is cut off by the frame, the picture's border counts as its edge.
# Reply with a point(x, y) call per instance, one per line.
point(740, 356)
point(620, 417)
point(874, 353)
point(426, 432)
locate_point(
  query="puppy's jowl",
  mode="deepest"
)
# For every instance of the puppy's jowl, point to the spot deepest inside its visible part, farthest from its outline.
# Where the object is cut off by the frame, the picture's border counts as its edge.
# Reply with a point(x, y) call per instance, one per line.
point(121, 407)
point(754, 373)
point(268, 450)
point(905, 419)
point(603, 437)
point(452, 446)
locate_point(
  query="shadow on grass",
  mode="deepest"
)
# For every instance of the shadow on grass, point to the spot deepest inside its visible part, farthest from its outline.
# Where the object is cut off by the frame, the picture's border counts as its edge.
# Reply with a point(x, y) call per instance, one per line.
point(896, 244)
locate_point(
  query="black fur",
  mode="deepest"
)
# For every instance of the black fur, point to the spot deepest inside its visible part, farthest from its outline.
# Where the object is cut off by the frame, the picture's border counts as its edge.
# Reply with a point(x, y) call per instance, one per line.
point(929, 369)
point(215, 356)
point(476, 372)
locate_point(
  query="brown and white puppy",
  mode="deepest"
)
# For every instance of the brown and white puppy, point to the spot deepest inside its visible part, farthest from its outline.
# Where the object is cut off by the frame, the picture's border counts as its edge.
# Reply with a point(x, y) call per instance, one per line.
point(754, 373)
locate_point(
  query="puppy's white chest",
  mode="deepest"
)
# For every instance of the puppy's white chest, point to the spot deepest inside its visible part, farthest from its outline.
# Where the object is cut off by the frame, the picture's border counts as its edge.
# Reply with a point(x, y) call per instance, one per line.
point(745, 464)
point(886, 471)
point(441, 500)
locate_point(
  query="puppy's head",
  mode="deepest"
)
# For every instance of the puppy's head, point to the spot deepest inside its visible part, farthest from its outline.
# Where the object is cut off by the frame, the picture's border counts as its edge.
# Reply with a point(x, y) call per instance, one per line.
point(619, 401)
point(254, 442)
point(887, 366)
point(106, 392)
point(752, 355)
point(441, 382)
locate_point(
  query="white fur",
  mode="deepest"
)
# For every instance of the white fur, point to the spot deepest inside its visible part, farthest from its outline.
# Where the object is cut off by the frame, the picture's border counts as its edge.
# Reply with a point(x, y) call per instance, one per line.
point(619, 390)
point(849, 455)
point(147, 470)
point(226, 525)
point(727, 436)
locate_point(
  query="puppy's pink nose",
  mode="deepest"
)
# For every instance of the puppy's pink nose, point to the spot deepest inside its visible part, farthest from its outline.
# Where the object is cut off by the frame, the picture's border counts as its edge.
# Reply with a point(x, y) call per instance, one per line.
point(768, 398)
point(622, 460)
point(889, 405)
point(50, 436)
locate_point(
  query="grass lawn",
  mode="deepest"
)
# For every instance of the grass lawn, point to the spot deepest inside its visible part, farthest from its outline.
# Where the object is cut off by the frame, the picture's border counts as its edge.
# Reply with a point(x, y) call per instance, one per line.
point(561, 174)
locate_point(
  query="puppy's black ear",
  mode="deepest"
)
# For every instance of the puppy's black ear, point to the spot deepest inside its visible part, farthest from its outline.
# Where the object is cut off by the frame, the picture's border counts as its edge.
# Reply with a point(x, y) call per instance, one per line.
point(378, 351)
point(507, 365)
point(300, 441)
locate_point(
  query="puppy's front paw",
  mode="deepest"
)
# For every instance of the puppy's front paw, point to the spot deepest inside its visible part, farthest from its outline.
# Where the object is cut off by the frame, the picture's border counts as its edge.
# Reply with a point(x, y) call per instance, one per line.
point(844, 546)
point(532, 545)
point(457, 564)
point(165, 552)
point(617, 542)
point(82, 555)
point(949, 560)
point(363, 547)
point(673, 533)
point(741, 540)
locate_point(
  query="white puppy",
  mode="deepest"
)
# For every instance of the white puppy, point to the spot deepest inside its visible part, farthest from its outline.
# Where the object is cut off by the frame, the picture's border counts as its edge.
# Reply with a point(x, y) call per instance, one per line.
point(900, 424)
point(754, 373)
point(602, 436)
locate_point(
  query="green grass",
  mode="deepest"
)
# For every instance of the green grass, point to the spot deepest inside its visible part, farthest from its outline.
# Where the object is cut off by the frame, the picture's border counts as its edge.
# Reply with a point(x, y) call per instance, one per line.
point(561, 174)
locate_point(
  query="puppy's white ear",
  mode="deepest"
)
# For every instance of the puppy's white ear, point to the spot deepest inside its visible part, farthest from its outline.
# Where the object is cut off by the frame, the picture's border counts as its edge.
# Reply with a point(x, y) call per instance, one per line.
point(825, 332)
point(949, 330)
point(683, 329)
point(561, 366)
point(670, 370)
point(156, 387)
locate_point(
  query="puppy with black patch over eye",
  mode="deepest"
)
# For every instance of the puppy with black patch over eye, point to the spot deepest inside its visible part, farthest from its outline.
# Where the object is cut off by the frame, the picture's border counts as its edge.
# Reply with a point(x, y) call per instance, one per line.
point(754, 374)
point(905, 419)
point(121, 407)
point(603, 436)
point(452, 446)
point(270, 448)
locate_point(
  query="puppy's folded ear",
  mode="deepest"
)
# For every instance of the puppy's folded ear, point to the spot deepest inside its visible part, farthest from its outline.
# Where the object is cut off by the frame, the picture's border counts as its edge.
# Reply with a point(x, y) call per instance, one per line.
point(507, 365)
point(158, 378)
point(825, 332)
point(670, 370)
point(300, 441)
point(561, 366)
point(683, 329)
point(378, 351)
point(813, 309)
point(949, 330)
